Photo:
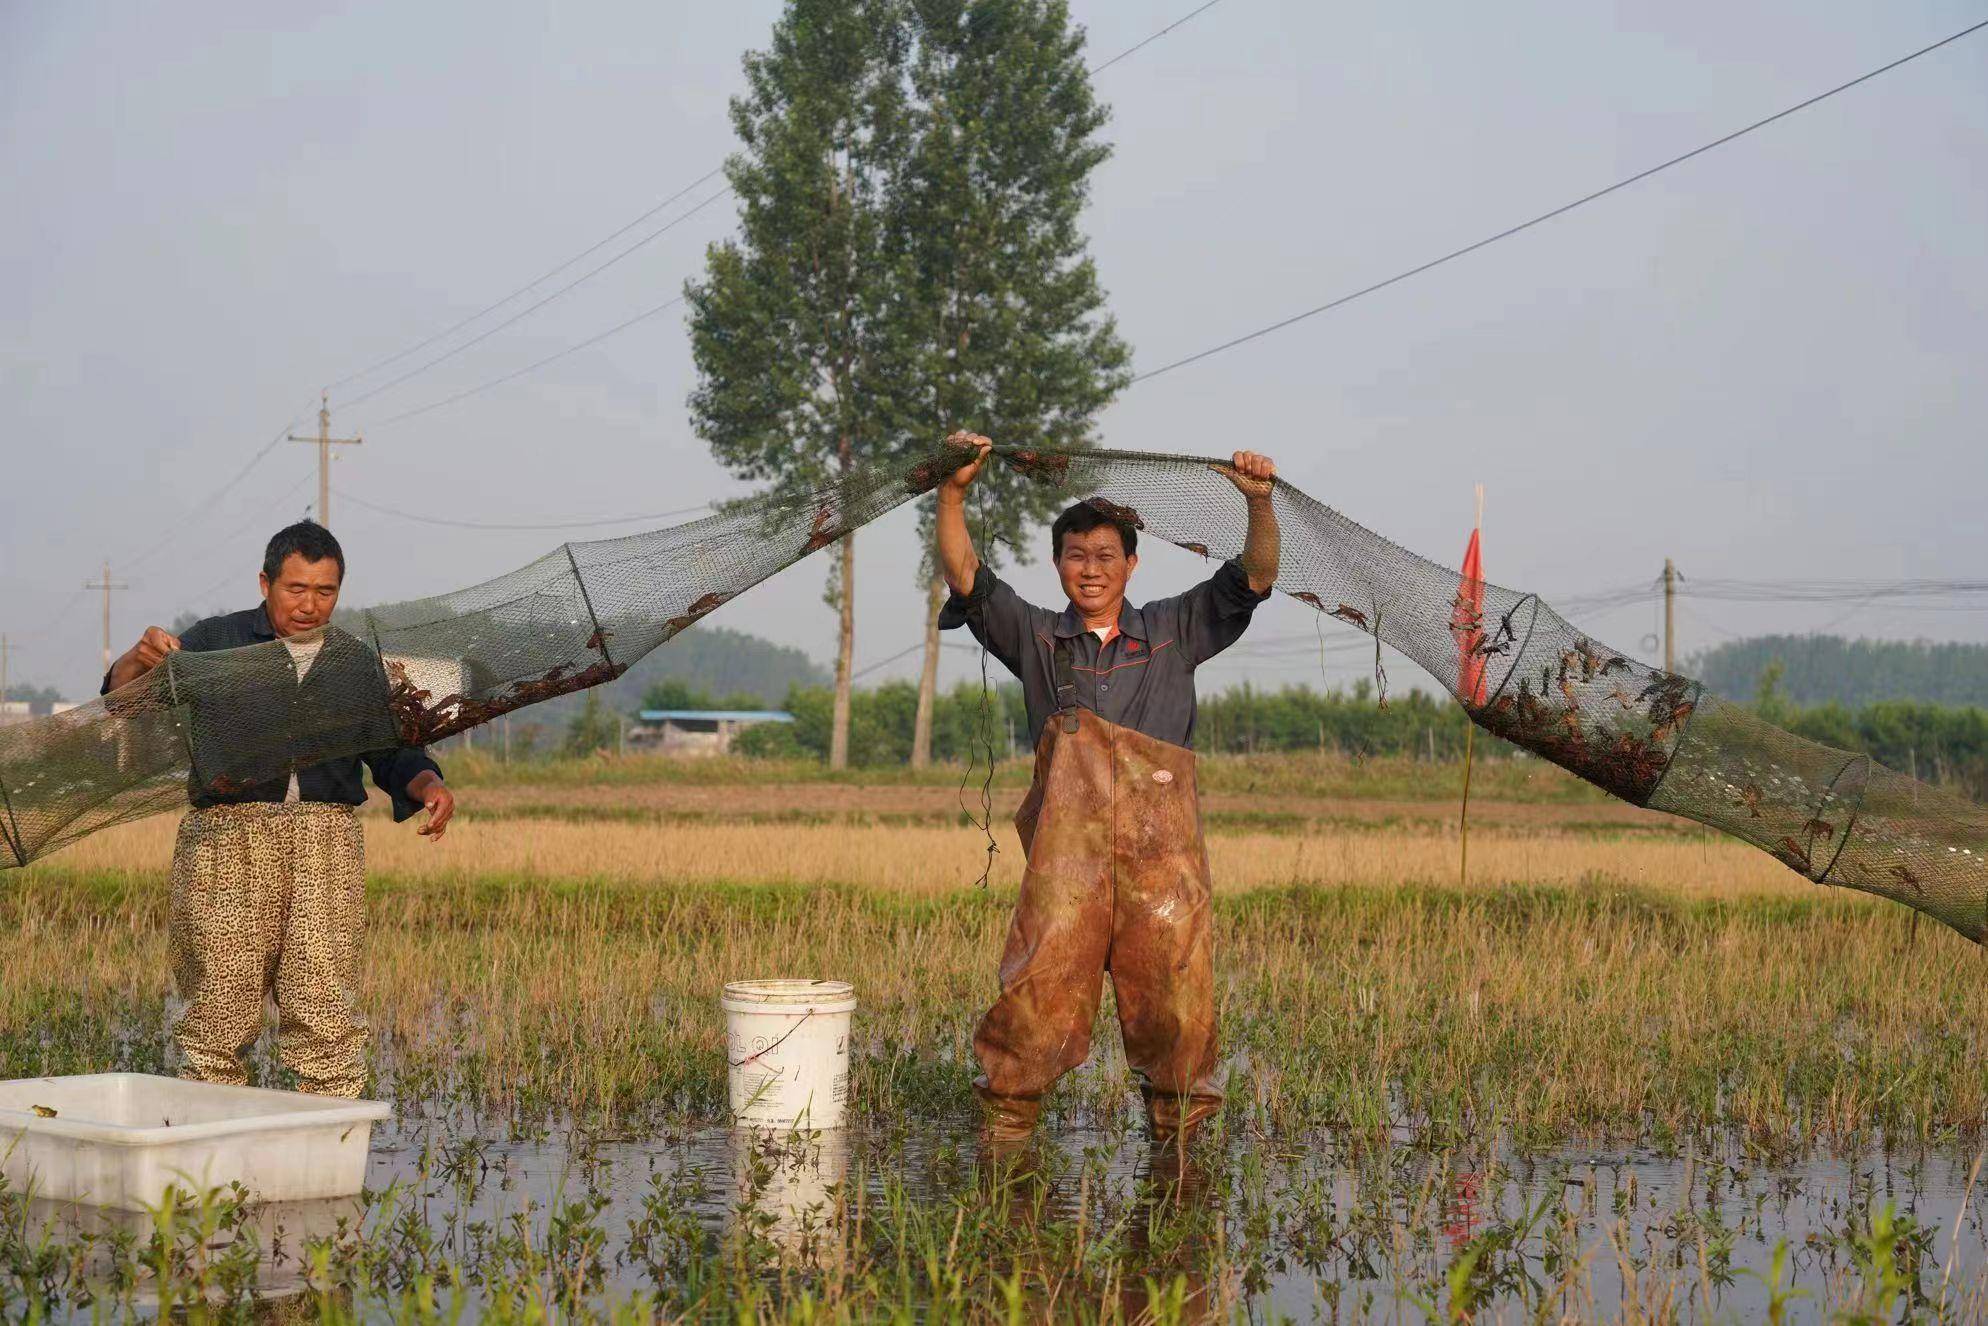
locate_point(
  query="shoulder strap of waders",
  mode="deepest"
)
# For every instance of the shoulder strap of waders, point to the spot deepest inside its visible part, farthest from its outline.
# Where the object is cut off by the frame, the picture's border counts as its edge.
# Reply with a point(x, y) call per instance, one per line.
point(1066, 683)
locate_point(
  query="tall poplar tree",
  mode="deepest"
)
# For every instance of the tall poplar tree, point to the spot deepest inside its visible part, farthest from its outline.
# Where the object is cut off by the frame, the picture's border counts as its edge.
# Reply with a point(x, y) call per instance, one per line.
point(1007, 320)
point(795, 328)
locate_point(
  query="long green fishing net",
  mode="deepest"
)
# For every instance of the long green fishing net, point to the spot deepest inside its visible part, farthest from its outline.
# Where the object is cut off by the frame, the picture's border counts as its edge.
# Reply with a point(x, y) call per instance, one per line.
point(411, 673)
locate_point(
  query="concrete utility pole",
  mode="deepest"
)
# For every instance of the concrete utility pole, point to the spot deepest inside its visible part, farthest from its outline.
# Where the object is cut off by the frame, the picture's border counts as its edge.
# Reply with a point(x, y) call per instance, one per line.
point(1671, 577)
point(106, 585)
point(325, 442)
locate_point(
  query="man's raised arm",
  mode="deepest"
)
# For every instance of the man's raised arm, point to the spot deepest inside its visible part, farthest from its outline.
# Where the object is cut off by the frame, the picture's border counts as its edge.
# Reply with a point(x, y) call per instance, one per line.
point(957, 560)
point(1254, 477)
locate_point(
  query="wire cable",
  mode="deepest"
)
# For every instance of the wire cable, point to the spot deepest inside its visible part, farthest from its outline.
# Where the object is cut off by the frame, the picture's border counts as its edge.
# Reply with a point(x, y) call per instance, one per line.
point(259, 516)
point(868, 668)
point(68, 606)
point(238, 571)
point(1142, 45)
point(1561, 210)
point(528, 368)
point(344, 496)
point(527, 287)
point(695, 184)
point(185, 522)
point(1829, 591)
point(530, 309)
point(619, 327)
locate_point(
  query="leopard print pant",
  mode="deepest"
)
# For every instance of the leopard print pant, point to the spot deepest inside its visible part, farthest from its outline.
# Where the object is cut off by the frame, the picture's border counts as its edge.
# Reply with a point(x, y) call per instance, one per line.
point(270, 899)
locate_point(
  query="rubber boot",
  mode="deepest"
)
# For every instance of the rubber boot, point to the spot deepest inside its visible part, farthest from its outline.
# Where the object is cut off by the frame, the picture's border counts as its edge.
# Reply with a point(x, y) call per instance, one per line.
point(1007, 1119)
point(1173, 1119)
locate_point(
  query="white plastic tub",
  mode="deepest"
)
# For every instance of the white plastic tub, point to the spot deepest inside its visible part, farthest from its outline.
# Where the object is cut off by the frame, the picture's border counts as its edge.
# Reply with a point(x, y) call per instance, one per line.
point(120, 1139)
point(788, 1046)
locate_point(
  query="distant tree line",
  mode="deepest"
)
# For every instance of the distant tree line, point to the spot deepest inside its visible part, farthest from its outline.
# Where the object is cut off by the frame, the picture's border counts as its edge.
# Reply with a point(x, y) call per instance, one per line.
point(747, 671)
point(1828, 669)
point(728, 670)
point(1246, 720)
point(1241, 720)
point(967, 723)
point(1939, 743)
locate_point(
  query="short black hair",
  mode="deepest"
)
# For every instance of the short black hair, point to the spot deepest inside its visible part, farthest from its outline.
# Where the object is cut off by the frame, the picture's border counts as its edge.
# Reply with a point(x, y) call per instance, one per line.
point(1082, 519)
point(308, 540)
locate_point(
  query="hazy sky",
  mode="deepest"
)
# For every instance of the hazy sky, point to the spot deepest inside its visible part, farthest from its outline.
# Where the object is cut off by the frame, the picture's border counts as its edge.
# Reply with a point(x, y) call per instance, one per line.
point(1765, 363)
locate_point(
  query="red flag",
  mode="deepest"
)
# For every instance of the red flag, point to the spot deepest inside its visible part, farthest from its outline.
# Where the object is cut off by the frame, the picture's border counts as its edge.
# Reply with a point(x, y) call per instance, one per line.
point(1467, 624)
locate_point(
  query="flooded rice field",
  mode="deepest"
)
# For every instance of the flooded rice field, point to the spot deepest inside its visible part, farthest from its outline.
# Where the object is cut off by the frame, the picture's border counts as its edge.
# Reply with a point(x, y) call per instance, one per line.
point(468, 1218)
point(1623, 1074)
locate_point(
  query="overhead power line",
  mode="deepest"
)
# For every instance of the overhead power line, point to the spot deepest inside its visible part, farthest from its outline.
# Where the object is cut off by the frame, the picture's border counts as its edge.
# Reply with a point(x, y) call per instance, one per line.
point(909, 649)
point(239, 571)
point(533, 367)
point(1829, 591)
point(186, 521)
point(502, 525)
point(613, 235)
point(530, 309)
point(68, 606)
point(526, 288)
point(619, 327)
point(181, 525)
point(260, 516)
point(1561, 210)
point(1141, 45)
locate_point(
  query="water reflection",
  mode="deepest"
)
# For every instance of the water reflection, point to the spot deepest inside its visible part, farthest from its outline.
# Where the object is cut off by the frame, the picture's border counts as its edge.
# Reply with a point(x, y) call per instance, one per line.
point(1173, 1241)
point(262, 1243)
point(786, 1186)
point(1253, 1226)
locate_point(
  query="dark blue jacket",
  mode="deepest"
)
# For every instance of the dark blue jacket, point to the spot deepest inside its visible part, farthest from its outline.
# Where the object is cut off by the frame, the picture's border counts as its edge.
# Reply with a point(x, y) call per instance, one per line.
point(247, 727)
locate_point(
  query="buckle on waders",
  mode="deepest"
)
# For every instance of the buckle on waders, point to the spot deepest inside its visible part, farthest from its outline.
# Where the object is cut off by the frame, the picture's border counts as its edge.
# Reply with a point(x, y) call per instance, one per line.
point(1066, 685)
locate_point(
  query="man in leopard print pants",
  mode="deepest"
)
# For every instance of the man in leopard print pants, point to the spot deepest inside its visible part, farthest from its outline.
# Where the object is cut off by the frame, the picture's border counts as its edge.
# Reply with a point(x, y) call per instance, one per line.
point(269, 880)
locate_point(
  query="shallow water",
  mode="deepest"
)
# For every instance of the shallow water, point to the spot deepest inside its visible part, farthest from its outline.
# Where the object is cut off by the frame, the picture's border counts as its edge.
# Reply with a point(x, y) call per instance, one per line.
point(1261, 1228)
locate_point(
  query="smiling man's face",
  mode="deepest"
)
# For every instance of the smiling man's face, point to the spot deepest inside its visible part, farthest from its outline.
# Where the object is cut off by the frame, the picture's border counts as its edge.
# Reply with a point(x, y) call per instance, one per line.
point(1094, 569)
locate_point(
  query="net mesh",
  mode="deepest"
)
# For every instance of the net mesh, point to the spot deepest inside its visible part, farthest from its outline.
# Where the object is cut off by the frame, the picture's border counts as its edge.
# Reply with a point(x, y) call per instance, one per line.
point(411, 673)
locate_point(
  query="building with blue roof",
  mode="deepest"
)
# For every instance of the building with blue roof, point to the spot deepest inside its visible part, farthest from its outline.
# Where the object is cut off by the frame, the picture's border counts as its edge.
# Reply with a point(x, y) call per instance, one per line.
point(692, 732)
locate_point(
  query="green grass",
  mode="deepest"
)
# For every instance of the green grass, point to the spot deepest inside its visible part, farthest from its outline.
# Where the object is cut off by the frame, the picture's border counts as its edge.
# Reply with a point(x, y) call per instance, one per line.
point(1603, 1010)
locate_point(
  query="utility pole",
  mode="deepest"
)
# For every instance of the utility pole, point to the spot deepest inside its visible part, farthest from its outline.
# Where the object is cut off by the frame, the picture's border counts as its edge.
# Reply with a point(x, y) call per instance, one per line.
point(1671, 577)
point(3, 670)
point(106, 585)
point(325, 442)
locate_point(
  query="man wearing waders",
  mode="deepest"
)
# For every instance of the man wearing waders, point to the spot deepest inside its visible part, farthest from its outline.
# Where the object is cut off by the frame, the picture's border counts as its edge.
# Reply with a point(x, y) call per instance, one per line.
point(1117, 875)
point(269, 879)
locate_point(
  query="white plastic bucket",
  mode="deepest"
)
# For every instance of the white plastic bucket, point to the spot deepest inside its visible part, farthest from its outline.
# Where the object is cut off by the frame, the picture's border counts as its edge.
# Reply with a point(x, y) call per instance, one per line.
point(787, 1043)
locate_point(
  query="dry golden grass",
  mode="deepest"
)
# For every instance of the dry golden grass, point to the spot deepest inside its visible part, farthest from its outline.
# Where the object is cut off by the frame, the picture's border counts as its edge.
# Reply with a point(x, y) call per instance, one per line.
point(1317, 774)
point(936, 860)
point(871, 801)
